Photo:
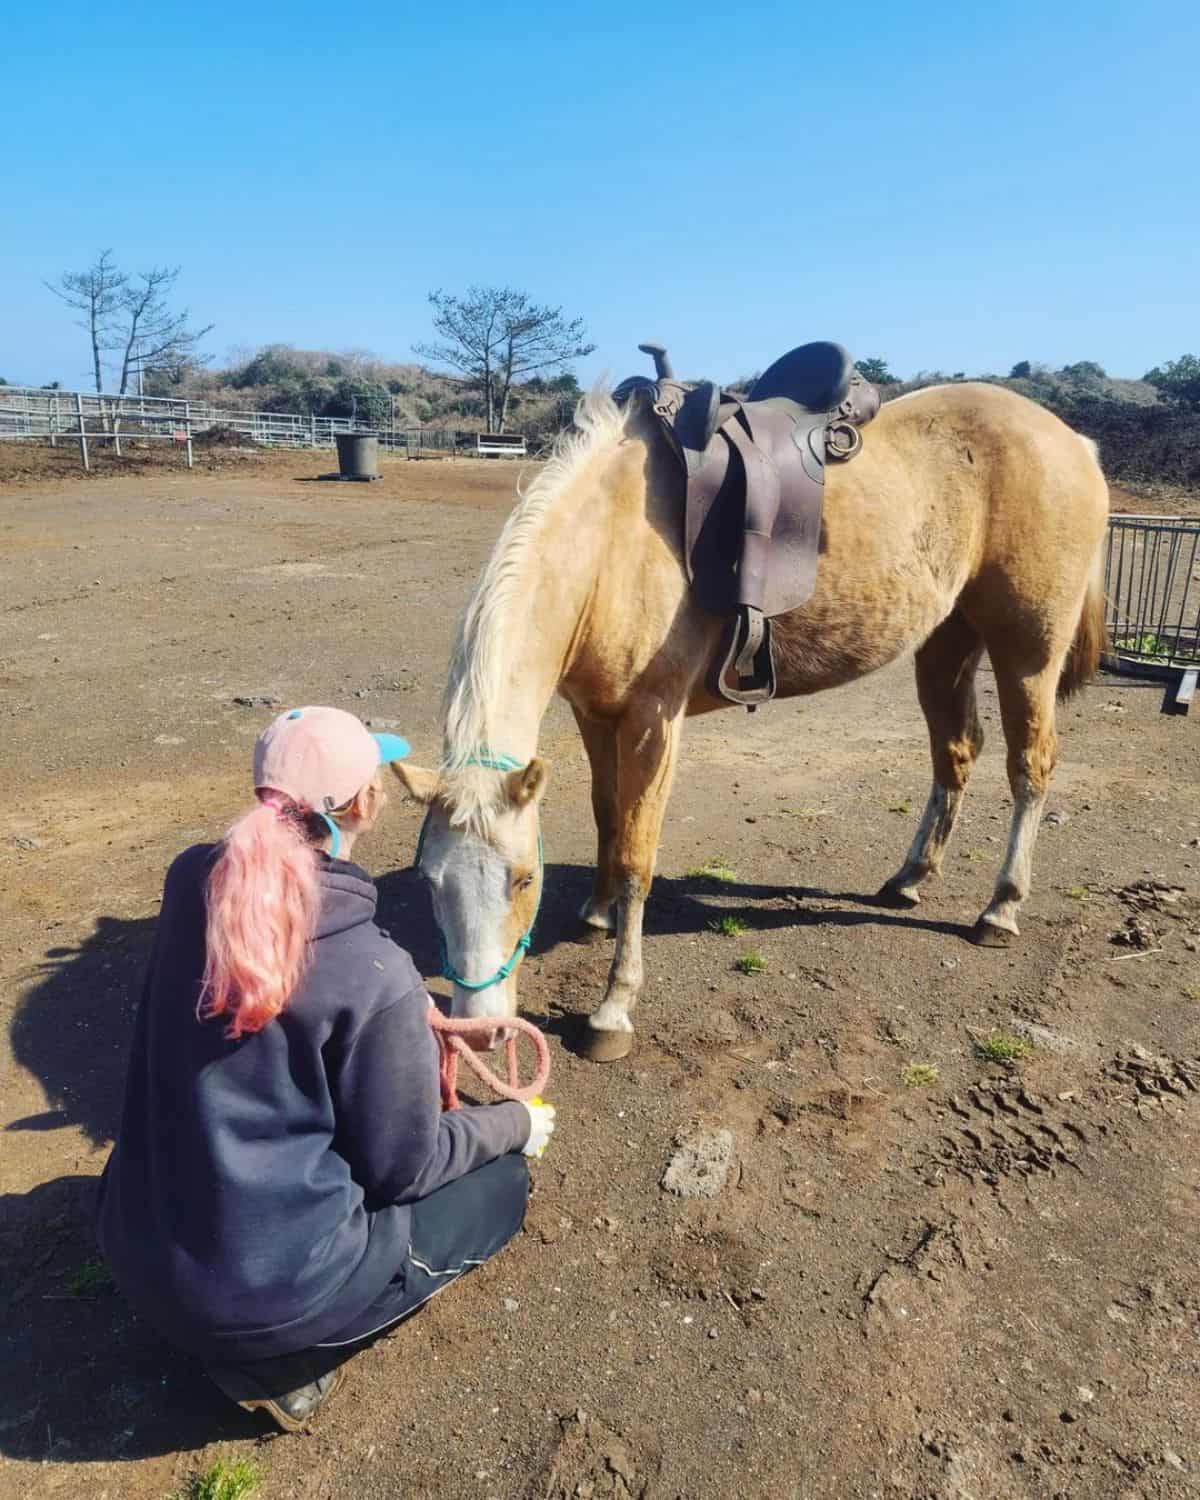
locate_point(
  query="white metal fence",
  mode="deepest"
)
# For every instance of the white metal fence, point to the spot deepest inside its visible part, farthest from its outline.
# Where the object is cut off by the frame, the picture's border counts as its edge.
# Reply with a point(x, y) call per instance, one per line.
point(82, 418)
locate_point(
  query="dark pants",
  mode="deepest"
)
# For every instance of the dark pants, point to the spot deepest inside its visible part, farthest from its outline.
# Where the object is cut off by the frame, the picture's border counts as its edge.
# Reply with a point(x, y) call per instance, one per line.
point(453, 1230)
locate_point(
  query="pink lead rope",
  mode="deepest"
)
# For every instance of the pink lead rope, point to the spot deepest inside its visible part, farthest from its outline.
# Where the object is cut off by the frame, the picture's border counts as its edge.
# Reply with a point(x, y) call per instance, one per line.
point(453, 1043)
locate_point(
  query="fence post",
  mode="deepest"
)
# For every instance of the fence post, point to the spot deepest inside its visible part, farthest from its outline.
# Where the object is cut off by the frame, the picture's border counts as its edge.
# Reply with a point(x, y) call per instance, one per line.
point(82, 435)
point(187, 427)
point(54, 425)
point(116, 421)
point(312, 429)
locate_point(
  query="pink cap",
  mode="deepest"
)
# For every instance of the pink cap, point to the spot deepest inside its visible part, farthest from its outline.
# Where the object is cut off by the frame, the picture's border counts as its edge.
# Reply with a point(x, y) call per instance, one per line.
point(321, 757)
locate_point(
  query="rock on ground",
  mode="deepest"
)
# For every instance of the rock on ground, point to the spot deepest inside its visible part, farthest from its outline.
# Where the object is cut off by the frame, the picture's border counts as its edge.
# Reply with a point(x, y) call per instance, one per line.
point(700, 1165)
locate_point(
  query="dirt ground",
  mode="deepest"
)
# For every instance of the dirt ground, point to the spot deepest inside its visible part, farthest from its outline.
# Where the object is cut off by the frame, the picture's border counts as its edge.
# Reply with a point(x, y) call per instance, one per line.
point(979, 1287)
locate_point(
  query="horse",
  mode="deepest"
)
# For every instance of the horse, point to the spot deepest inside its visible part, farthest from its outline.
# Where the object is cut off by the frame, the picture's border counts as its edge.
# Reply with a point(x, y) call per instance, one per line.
point(972, 520)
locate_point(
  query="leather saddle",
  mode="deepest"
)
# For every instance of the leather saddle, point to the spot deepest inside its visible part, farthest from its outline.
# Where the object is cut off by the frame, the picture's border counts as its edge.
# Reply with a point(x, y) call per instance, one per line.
point(754, 470)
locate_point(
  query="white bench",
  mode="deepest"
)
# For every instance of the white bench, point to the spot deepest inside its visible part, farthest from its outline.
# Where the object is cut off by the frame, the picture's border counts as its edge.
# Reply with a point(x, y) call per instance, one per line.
point(500, 445)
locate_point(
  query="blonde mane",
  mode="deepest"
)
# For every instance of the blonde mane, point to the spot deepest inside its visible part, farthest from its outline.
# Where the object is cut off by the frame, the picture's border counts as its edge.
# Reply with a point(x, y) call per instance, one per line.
point(479, 658)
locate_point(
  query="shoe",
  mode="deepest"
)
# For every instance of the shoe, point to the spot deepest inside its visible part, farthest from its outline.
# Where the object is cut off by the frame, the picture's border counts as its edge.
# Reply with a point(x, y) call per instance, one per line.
point(293, 1411)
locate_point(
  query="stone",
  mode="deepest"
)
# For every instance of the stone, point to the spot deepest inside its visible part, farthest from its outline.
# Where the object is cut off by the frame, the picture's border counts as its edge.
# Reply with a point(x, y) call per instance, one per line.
point(511, 1304)
point(700, 1165)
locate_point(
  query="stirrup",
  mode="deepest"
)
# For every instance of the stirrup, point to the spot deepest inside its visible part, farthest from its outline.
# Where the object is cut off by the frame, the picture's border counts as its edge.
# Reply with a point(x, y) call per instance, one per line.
point(749, 659)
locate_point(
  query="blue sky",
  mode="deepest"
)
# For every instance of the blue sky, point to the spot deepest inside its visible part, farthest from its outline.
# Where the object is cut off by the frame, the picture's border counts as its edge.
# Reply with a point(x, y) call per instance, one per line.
point(948, 186)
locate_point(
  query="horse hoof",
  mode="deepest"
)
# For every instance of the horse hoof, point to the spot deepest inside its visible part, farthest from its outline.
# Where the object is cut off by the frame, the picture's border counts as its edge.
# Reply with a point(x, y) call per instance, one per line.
point(605, 1046)
point(988, 935)
point(892, 896)
point(588, 934)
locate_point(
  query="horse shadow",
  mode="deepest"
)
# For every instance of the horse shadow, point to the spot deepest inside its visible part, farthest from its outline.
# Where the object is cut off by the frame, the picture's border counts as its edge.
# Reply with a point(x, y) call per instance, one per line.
point(72, 1028)
point(683, 906)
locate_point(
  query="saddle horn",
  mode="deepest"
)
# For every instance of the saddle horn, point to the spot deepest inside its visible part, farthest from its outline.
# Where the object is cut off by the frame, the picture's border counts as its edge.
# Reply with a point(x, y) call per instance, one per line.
point(662, 365)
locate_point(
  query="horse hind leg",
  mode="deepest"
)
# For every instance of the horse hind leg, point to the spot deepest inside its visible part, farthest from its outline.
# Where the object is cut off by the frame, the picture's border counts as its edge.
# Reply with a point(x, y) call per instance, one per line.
point(1027, 709)
point(598, 913)
point(946, 666)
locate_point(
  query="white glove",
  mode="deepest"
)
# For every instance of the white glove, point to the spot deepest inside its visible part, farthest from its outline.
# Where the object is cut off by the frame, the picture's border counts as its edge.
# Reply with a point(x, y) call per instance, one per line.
point(541, 1126)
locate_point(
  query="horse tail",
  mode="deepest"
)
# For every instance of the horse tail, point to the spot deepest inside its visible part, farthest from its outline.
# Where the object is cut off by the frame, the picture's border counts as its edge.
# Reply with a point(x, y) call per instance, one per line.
point(1091, 633)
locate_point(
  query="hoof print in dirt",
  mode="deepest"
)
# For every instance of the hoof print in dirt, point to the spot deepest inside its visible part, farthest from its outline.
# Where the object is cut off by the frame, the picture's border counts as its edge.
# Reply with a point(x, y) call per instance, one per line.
point(1009, 1134)
point(700, 1166)
point(1157, 1077)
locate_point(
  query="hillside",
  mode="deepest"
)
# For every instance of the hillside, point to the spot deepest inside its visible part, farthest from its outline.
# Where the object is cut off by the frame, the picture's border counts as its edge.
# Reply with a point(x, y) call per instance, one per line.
point(319, 383)
point(1143, 439)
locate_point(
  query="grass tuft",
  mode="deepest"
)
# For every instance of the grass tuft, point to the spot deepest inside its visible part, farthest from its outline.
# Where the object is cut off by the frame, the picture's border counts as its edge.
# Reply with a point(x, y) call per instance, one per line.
point(729, 926)
point(750, 963)
point(1078, 892)
point(223, 1481)
point(1003, 1046)
point(91, 1279)
point(716, 871)
point(920, 1075)
point(903, 806)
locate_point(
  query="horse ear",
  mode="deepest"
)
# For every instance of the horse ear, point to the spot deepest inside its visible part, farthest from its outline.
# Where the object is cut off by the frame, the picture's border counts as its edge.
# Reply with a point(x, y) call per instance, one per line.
point(528, 785)
point(420, 785)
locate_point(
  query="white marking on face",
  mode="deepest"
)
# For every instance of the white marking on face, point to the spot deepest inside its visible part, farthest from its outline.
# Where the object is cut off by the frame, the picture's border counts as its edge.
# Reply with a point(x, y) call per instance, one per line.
point(479, 911)
point(468, 885)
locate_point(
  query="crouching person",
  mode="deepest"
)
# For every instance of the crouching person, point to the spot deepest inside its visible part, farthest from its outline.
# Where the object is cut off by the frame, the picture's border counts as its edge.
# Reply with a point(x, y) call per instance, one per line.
point(285, 1184)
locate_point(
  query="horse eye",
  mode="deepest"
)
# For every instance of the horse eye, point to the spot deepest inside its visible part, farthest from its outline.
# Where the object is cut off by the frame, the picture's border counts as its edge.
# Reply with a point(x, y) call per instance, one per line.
point(524, 882)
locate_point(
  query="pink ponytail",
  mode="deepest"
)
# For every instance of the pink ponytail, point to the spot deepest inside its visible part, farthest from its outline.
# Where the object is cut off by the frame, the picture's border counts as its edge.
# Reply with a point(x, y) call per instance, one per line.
point(262, 915)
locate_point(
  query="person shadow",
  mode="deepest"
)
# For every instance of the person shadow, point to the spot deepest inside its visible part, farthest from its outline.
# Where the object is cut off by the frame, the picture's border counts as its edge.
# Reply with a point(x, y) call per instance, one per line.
point(81, 1379)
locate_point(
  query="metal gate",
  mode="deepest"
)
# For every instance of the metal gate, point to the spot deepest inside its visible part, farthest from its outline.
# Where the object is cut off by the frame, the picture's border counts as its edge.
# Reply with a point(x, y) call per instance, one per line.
point(1152, 582)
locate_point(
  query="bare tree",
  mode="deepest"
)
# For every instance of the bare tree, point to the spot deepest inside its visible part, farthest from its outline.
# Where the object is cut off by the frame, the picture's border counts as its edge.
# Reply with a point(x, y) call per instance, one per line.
point(153, 338)
point(130, 316)
point(494, 335)
point(97, 293)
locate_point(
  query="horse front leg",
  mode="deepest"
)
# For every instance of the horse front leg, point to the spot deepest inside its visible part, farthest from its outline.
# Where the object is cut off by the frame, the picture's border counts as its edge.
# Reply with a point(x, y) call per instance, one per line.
point(647, 743)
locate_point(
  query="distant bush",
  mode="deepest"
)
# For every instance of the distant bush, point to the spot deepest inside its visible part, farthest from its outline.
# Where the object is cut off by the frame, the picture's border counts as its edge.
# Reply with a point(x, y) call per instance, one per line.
point(1086, 372)
point(876, 371)
point(1178, 379)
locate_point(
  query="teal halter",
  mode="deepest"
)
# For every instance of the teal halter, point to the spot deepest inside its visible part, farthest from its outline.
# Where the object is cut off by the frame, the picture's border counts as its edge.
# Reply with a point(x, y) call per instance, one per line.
point(489, 762)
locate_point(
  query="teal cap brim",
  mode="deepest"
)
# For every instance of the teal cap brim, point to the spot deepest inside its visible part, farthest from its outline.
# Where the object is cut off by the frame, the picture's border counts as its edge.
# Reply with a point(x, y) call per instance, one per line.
point(391, 747)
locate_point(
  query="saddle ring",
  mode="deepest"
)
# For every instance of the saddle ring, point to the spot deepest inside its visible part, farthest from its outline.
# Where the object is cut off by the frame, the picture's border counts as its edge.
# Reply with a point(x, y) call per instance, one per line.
point(842, 441)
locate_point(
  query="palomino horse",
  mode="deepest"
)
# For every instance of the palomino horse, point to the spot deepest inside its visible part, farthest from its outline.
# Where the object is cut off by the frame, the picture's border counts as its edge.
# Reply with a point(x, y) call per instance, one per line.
point(971, 521)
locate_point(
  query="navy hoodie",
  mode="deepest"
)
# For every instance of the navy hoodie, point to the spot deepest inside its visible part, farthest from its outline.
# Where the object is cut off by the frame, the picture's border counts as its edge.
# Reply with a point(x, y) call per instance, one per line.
point(256, 1200)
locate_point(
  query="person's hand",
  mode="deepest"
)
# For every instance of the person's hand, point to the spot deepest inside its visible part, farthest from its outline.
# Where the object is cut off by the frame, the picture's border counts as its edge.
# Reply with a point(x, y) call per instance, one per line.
point(541, 1126)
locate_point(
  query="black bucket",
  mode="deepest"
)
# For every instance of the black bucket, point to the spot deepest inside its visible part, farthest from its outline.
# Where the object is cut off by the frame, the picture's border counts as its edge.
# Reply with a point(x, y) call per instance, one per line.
point(358, 455)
